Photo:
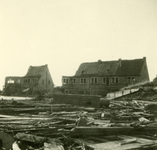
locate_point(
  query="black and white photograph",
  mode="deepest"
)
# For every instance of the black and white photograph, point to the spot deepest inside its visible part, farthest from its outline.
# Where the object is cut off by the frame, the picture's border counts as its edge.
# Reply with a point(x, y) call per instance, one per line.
point(78, 74)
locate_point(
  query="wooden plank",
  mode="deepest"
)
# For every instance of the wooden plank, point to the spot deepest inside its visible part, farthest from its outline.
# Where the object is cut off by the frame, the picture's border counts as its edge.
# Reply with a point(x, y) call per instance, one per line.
point(104, 146)
point(97, 131)
point(120, 145)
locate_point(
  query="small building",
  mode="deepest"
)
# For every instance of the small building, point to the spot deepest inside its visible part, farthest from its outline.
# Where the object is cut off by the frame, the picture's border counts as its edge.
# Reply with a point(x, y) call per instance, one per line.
point(102, 77)
point(36, 81)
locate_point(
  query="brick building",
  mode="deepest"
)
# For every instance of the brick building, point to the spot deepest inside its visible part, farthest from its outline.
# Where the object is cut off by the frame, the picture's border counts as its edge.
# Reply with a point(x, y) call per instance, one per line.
point(101, 77)
point(37, 80)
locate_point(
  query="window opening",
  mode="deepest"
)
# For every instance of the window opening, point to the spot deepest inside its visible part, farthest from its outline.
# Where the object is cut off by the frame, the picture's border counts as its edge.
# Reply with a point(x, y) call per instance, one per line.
point(117, 80)
point(103, 80)
point(108, 81)
point(83, 80)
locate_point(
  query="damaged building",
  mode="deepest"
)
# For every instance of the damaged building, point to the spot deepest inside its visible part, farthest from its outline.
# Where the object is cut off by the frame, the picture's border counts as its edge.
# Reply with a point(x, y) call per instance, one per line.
point(37, 81)
point(101, 77)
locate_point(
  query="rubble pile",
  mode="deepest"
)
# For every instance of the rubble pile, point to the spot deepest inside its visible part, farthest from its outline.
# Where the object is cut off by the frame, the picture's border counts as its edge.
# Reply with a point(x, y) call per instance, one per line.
point(42, 125)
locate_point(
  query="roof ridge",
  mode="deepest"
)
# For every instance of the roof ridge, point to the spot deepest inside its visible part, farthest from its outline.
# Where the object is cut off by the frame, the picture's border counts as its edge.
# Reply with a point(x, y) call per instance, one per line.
point(114, 60)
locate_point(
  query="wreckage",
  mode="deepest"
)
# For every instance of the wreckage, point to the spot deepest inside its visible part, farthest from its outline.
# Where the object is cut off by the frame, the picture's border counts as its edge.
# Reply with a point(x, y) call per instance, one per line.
point(125, 124)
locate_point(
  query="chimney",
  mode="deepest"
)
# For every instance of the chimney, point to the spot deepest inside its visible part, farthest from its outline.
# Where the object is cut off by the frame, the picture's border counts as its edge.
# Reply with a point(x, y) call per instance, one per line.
point(99, 61)
point(120, 62)
point(144, 59)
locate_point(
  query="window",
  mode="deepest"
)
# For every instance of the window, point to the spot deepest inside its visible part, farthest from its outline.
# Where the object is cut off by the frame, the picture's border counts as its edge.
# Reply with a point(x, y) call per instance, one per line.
point(49, 82)
point(117, 80)
point(94, 80)
point(103, 80)
point(64, 81)
point(108, 81)
point(10, 81)
point(28, 80)
point(112, 80)
point(83, 80)
point(74, 81)
point(67, 81)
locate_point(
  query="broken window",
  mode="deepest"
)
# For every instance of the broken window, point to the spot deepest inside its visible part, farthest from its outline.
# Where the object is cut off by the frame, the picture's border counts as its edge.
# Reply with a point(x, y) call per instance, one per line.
point(10, 81)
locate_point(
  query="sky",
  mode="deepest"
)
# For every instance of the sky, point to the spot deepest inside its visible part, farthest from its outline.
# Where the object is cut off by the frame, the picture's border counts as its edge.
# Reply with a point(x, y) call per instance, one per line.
point(65, 33)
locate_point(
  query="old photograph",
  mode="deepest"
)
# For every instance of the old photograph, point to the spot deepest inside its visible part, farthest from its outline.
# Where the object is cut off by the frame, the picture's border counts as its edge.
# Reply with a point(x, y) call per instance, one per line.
point(78, 75)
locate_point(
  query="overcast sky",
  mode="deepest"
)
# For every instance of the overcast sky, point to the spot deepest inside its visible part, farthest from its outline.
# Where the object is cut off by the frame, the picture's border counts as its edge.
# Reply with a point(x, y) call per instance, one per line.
point(65, 33)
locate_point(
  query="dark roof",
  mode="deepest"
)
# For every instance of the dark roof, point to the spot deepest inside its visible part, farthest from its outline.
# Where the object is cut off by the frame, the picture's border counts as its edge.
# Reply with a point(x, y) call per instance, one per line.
point(130, 67)
point(35, 71)
point(119, 67)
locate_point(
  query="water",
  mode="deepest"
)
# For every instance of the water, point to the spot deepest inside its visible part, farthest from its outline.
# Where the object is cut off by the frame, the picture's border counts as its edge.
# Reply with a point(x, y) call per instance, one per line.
point(15, 98)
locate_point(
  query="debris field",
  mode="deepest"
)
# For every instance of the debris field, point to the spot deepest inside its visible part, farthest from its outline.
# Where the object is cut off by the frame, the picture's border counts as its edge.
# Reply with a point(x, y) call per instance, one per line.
point(127, 124)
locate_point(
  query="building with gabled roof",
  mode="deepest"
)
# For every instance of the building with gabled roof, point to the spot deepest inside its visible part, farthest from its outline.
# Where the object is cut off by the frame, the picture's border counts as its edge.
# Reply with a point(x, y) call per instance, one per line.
point(101, 77)
point(37, 80)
